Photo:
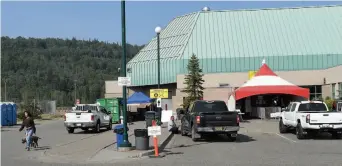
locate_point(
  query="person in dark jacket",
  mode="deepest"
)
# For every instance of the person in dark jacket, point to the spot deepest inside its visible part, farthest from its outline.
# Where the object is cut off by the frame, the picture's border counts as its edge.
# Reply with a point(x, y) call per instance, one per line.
point(28, 123)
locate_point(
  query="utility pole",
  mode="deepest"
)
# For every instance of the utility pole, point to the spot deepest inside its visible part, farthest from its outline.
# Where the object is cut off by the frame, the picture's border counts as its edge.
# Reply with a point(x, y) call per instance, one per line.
point(5, 89)
point(126, 145)
point(75, 89)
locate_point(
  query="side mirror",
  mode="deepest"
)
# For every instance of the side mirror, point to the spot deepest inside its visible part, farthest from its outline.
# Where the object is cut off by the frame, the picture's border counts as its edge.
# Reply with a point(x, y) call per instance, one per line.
point(283, 109)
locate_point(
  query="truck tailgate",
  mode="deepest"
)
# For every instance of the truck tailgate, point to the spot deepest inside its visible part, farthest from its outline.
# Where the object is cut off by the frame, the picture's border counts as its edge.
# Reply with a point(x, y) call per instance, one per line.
point(328, 117)
point(211, 119)
point(75, 117)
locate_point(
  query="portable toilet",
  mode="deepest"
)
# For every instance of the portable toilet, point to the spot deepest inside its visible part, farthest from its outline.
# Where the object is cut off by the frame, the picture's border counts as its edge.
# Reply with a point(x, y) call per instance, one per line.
point(3, 111)
point(9, 108)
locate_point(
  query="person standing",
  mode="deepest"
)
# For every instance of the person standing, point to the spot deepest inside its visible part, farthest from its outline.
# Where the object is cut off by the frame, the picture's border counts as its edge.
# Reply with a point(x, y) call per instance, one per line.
point(28, 123)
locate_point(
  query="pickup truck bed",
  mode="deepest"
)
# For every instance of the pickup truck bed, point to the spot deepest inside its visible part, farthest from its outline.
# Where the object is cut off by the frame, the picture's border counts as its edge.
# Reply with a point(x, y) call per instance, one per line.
point(309, 118)
point(207, 117)
point(218, 122)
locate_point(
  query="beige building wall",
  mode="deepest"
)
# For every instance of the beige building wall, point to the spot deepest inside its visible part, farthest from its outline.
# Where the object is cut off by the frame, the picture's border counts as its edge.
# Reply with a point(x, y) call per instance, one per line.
point(212, 81)
point(304, 77)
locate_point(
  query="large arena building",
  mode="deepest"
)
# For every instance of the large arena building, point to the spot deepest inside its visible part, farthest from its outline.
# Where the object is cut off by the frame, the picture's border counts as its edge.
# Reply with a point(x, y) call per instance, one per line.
point(301, 45)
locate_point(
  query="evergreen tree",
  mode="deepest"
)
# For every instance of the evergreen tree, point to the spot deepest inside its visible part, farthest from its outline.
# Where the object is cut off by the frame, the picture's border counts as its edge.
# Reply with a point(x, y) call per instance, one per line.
point(193, 81)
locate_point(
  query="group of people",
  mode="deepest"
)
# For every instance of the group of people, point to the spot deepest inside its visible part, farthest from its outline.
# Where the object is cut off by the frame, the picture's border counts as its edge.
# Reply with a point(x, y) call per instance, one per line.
point(30, 128)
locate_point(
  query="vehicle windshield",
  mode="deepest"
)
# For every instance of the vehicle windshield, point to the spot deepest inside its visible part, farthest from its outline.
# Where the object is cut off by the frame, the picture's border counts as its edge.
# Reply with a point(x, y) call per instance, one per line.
point(85, 108)
point(318, 107)
point(215, 106)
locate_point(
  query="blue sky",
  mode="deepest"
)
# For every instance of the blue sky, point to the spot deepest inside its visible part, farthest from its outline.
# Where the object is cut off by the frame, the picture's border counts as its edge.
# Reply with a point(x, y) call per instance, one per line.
point(102, 20)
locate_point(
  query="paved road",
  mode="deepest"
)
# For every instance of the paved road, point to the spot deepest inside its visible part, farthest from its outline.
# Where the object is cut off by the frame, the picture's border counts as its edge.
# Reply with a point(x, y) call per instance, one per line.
point(255, 146)
point(53, 135)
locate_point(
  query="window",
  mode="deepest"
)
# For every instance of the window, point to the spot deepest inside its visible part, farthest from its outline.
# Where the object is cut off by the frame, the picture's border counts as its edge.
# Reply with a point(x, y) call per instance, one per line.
point(206, 106)
point(333, 90)
point(312, 107)
point(289, 107)
point(315, 91)
point(293, 107)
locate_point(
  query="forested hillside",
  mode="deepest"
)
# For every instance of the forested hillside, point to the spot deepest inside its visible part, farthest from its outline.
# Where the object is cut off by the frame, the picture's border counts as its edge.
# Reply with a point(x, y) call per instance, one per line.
point(47, 69)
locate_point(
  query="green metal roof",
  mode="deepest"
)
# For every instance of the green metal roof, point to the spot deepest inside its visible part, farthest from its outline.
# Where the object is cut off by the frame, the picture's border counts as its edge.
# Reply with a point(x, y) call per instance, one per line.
point(237, 41)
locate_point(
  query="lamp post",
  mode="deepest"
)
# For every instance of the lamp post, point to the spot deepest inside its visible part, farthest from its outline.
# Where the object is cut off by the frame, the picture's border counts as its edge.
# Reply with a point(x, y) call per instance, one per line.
point(75, 93)
point(126, 145)
point(5, 89)
point(158, 30)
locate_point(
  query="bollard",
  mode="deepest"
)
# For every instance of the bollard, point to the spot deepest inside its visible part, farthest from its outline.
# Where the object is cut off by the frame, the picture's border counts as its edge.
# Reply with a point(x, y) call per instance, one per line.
point(155, 141)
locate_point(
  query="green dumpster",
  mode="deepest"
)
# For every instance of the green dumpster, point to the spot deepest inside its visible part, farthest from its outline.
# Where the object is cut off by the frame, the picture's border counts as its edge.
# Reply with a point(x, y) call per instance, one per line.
point(113, 106)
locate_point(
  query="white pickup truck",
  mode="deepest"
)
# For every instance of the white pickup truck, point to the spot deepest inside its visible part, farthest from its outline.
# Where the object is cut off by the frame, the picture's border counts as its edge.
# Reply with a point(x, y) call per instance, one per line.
point(87, 116)
point(309, 118)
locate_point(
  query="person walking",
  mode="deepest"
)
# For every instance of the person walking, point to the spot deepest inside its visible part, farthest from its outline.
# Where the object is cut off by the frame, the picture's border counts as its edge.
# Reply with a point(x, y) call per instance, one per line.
point(28, 123)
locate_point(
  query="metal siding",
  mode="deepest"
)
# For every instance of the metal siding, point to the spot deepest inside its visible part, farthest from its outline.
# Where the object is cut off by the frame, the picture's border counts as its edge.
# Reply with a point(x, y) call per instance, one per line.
point(237, 41)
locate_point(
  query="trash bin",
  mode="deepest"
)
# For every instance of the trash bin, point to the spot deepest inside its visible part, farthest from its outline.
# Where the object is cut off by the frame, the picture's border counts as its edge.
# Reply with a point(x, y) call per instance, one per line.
point(149, 116)
point(119, 131)
point(142, 140)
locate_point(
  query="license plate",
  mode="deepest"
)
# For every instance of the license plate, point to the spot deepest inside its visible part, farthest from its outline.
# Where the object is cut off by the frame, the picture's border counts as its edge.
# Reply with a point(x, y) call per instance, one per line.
point(78, 124)
point(325, 125)
point(219, 128)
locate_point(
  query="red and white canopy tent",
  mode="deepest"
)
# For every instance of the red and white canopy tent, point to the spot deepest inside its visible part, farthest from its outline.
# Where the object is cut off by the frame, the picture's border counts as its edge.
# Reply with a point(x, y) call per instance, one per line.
point(266, 81)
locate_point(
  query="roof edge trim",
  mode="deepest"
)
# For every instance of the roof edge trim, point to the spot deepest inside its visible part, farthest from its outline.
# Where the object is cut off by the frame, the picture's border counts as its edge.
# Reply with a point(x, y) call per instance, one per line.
point(280, 8)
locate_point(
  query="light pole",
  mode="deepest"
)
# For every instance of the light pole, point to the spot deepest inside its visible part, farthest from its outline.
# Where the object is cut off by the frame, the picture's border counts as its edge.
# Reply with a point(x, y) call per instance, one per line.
point(158, 30)
point(75, 87)
point(126, 145)
point(5, 89)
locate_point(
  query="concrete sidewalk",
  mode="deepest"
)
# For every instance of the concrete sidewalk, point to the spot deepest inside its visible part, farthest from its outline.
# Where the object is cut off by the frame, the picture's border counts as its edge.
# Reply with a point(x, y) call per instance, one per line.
point(98, 148)
point(110, 154)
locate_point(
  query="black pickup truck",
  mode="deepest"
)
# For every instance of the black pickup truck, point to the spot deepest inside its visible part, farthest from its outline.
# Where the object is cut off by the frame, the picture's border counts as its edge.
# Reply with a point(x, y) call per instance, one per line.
point(205, 117)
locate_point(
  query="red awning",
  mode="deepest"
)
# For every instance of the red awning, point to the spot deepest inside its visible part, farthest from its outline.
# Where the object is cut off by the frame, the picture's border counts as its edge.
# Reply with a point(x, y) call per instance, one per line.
point(266, 81)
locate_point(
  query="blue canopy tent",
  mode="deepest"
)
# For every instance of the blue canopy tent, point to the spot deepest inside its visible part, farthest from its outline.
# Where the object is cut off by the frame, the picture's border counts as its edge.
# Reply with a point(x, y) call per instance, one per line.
point(138, 98)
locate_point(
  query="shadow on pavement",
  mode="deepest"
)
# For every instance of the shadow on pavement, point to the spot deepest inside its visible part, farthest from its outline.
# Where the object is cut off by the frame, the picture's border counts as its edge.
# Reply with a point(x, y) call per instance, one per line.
point(319, 136)
point(167, 153)
point(79, 131)
point(42, 148)
point(222, 138)
point(185, 146)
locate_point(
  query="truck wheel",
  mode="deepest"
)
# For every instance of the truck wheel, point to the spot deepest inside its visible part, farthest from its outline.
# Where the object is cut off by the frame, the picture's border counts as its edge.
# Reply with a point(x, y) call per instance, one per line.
point(85, 129)
point(233, 139)
point(336, 135)
point(70, 130)
point(182, 130)
point(110, 125)
point(299, 131)
point(282, 127)
point(193, 133)
point(97, 127)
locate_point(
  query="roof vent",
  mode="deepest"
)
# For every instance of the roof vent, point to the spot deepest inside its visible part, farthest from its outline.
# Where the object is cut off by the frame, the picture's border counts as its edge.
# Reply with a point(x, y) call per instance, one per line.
point(206, 9)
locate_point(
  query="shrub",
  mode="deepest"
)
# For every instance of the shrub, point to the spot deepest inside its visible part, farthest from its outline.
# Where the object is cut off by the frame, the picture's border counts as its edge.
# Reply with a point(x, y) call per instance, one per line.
point(35, 111)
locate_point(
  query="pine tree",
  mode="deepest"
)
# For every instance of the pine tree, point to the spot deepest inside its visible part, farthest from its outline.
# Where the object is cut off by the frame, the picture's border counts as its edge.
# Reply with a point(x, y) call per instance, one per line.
point(193, 81)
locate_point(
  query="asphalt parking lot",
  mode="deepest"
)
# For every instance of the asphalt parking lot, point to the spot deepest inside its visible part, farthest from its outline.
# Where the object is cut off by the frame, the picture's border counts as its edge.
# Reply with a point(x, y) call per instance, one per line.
point(259, 143)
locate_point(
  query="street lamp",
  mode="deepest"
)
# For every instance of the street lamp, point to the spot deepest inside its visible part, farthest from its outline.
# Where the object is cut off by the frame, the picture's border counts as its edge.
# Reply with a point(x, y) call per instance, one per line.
point(158, 30)
point(126, 145)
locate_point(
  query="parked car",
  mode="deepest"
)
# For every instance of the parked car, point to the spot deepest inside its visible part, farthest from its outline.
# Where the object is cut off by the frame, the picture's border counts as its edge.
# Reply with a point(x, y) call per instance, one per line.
point(309, 118)
point(204, 117)
point(88, 116)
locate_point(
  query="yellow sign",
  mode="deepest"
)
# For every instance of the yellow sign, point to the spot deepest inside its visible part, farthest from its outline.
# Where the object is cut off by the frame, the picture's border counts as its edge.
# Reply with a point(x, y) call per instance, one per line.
point(251, 74)
point(159, 93)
